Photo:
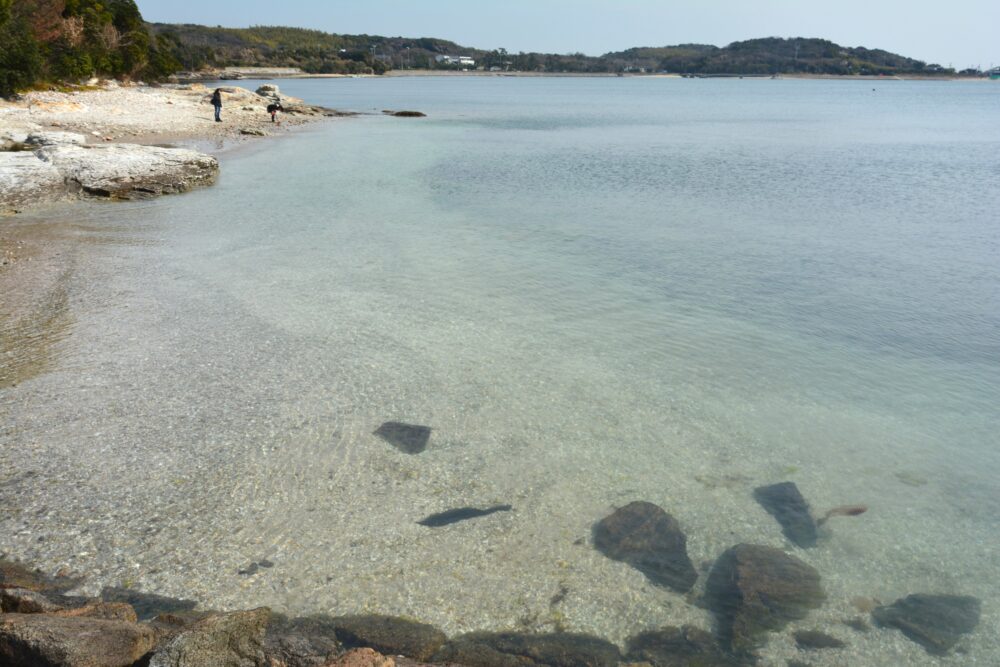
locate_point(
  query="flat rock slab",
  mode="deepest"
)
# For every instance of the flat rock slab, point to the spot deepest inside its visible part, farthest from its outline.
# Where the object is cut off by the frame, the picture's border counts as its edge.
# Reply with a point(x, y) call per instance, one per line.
point(511, 649)
point(40, 640)
point(785, 503)
point(235, 639)
point(25, 179)
point(936, 622)
point(130, 171)
point(407, 438)
point(650, 540)
point(389, 634)
point(756, 589)
point(679, 647)
point(51, 138)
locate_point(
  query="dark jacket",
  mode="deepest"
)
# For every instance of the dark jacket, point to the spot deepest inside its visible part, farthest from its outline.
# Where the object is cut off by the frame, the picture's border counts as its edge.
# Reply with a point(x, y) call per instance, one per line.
point(217, 99)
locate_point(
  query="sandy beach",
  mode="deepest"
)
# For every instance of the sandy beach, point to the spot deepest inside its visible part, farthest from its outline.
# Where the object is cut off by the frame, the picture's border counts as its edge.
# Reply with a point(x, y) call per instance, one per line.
point(145, 114)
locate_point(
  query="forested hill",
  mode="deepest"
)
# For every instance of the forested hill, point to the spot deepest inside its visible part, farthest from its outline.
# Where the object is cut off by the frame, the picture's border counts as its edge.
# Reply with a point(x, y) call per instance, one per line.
point(69, 40)
point(772, 55)
point(197, 47)
point(314, 51)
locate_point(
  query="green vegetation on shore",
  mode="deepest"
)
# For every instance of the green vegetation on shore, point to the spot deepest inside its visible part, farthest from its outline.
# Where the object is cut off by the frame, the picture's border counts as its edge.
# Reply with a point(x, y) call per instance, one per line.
point(313, 51)
point(69, 40)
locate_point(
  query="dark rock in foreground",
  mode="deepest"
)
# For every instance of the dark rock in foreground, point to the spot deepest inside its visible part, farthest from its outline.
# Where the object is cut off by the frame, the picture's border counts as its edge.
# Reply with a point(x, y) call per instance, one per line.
point(814, 639)
point(784, 502)
point(936, 622)
point(407, 438)
point(510, 649)
point(147, 605)
point(235, 639)
point(755, 589)
point(679, 647)
point(650, 540)
point(42, 640)
point(389, 635)
point(301, 642)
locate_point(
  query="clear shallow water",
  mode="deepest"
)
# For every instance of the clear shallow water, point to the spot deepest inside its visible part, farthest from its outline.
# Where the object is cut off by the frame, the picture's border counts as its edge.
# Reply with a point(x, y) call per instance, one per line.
point(594, 291)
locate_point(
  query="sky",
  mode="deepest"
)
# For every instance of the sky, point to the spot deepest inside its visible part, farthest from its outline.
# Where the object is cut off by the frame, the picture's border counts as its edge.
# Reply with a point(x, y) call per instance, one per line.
point(959, 33)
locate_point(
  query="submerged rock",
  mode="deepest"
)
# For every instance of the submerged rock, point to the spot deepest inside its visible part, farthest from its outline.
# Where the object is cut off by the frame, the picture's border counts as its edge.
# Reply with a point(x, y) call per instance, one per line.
point(235, 639)
point(147, 605)
point(42, 640)
point(814, 639)
point(936, 622)
point(755, 589)
point(407, 438)
point(23, 601)
point(16, 575)
point(650, 540)
point(784, 502)
point(511, 649)
point(389, 634)
point(460, 514)
point(679, 647)
point(110, 611)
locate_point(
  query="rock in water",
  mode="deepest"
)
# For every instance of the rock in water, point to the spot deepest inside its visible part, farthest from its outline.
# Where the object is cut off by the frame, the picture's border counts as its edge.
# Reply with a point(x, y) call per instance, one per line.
point(936, 622)
point(407, 438)
point(679, 647)
point(814, 639)
point(389, 635)
point(146, 605)
point(650, 540)
point(23, 601)
point(460, 514)
point(513, 649)
point(784, 502)
point(40, 640)
point(755, 589)
point(234, 639)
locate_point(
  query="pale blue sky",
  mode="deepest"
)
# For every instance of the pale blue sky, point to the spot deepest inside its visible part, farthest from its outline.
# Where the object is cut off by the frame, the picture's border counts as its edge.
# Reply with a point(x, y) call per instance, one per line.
point(961, 33)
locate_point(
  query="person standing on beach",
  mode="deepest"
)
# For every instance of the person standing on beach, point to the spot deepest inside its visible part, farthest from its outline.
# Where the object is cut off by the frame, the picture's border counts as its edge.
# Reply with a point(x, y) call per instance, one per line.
point(217, 103)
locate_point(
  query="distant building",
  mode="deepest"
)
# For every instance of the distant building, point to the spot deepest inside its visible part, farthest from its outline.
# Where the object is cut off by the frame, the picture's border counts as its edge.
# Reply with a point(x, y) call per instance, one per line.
point(461, 61)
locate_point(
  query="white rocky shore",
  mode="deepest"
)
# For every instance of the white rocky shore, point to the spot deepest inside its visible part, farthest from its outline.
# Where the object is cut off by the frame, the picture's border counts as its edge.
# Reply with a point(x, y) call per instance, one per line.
point(97, 142)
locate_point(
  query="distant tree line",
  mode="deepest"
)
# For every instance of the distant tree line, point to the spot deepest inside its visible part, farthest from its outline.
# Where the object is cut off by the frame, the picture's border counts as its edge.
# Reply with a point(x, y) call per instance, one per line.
point(70, 40)
point(770, 55)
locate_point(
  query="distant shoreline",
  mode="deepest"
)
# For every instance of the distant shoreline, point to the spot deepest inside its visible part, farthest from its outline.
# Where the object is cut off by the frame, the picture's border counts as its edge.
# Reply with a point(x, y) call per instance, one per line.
point(396, 73)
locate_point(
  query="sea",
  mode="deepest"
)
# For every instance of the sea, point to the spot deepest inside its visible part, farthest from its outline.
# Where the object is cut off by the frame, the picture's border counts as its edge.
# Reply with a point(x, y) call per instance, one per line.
point(591, 291)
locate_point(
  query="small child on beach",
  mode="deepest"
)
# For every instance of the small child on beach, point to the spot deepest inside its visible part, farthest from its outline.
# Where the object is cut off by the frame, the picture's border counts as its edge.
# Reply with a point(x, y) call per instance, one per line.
point(273, 108)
